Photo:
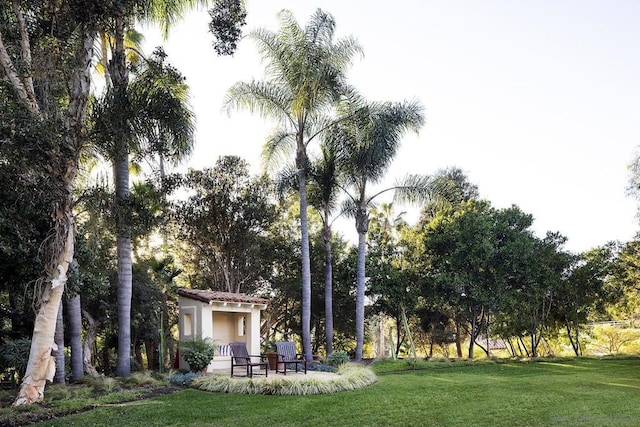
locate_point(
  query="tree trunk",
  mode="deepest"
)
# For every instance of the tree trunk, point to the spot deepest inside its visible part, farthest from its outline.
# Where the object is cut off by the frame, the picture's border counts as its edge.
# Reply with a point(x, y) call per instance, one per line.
point(61, 374)
point(125, 275)
point(88, 344)
point(362, 226)
point(301, 160)
point(328, 286)
point(41, 365)
point(120, 79)
point(74, 316)
point(472, 337)
point(458, 341)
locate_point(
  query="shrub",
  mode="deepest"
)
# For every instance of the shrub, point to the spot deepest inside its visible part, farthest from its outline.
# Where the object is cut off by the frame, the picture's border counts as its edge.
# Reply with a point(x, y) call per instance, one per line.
point(141, 379)
point(184, 379)
point(198, 352)
point(14, 356)
point(337, 358)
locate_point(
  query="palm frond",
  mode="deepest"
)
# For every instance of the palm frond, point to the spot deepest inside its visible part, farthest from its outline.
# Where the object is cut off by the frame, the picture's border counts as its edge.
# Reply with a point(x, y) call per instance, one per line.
point(277, 149)
point(286, 180)
point(268, 99)
point(419, 189)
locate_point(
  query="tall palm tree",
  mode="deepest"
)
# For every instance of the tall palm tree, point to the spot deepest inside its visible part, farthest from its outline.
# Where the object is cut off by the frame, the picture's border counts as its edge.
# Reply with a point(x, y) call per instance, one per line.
point(166, 13)
point(368, 141)
point(324, 190)
point(305, 74)
point(149, 115)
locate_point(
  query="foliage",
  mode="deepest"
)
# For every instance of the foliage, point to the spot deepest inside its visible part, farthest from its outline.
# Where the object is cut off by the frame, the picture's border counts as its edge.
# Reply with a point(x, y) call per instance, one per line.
point(198, 352)
point(14, 356)
point(349, 378)
point(224, 226)
point(227, 19)
point(184, 379)
point(612, 338)
point(337, 358)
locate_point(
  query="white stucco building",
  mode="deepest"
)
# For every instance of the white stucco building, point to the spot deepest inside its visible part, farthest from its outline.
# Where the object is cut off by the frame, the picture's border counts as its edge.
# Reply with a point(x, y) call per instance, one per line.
point(225, 317)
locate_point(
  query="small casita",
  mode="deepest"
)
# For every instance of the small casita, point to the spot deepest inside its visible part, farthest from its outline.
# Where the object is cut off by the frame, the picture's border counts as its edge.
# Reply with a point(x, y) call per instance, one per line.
point(223, 316)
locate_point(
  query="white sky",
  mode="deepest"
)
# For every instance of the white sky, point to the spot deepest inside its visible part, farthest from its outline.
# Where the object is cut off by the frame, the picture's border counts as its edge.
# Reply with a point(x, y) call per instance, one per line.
point(538, 102)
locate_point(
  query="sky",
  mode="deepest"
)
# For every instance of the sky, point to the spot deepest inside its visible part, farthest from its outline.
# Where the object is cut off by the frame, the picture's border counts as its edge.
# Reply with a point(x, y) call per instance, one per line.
point(537, 102)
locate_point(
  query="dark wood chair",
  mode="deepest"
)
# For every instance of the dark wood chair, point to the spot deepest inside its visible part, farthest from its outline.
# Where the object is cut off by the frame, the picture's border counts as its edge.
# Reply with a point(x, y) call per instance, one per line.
point(241, 357)
point(287, 355)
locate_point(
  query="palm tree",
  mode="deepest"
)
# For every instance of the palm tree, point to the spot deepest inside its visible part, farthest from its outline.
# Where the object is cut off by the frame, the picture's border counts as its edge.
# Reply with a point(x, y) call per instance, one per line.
point(368, 141)
point(305, 70)
point(150, 115)
point(166, 13)
point(324, 188)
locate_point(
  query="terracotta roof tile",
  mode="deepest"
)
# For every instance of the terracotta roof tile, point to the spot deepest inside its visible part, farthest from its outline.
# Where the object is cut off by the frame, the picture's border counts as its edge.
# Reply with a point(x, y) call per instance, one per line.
point(214, 296)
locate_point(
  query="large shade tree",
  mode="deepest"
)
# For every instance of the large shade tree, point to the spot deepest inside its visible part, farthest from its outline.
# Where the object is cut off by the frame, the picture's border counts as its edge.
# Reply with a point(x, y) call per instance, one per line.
point(305, 72)
point(224, 225)
point(54, 102)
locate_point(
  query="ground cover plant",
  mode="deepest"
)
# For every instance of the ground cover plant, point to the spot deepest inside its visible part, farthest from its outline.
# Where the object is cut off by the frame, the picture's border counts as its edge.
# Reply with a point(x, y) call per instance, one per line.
point(584, 391)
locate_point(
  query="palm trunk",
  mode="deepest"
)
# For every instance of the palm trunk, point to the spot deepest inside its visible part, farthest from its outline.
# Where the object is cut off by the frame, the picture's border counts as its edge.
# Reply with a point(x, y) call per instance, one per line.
point(301, 164)
point(328, 287)
point(74, 314)
point(125, 279)
point(306, 268)
point(362, 223)
point(120, 78)
point(61, 374)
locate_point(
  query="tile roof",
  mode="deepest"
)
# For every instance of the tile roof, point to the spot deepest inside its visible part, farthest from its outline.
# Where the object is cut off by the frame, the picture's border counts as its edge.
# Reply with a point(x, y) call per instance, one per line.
point(214, 296)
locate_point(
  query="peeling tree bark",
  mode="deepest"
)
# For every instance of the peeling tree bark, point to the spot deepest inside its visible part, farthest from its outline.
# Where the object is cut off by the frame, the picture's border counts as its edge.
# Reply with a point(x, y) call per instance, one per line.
point(41, 365)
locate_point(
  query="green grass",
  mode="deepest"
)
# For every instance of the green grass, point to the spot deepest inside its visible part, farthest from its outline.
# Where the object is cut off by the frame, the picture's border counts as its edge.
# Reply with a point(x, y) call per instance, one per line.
point(565, 392)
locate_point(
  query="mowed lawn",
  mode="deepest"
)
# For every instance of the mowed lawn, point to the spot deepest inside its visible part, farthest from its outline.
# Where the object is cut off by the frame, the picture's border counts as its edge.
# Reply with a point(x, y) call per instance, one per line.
point(566, 392)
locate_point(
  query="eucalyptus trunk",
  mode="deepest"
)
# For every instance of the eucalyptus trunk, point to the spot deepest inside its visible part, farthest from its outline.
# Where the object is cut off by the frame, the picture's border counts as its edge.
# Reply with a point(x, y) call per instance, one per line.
point(61, 374)
point(41, 365)
point(74, 315)
point(362, 226)
point(328, 285)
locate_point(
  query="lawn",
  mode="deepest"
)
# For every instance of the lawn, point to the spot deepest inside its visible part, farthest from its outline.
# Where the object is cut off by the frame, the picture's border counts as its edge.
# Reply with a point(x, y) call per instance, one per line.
point(563, 392)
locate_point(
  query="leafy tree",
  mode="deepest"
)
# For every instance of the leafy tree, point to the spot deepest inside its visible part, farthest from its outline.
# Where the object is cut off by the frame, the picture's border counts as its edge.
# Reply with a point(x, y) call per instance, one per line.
point(56, 101)
point(147, 115)
point(459, 251)
point(224, 224)
point(583, 293)
point(392, 284)
point(305, 70)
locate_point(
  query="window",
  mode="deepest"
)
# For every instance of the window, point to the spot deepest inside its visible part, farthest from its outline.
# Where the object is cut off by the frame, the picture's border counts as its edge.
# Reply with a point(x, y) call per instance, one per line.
point(187, 324)
point(241, 326)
